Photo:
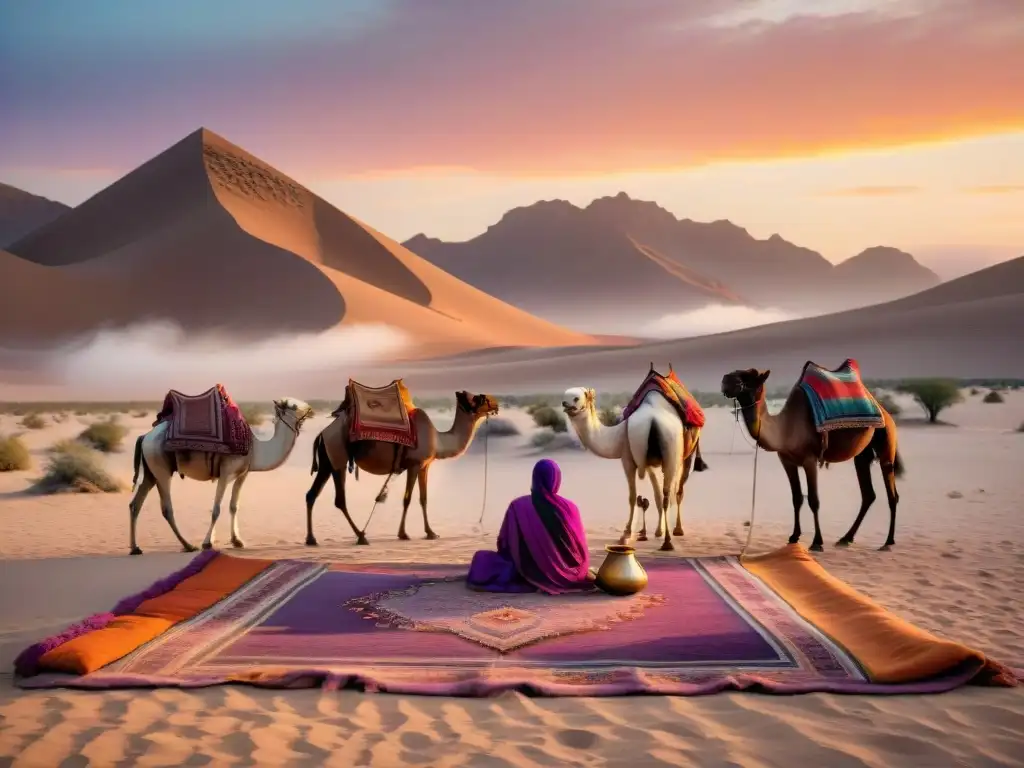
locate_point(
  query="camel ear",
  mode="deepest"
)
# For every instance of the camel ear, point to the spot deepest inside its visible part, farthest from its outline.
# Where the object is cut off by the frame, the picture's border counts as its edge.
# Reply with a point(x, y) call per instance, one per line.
point(591, 395)
point(762, 376)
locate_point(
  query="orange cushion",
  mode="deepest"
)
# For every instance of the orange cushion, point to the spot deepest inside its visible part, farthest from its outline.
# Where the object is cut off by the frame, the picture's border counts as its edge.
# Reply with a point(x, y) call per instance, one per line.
point(87, 653)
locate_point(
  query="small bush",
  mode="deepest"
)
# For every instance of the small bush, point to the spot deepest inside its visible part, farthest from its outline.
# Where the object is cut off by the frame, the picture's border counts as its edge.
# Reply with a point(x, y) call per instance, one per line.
point(993, 397)
point(105, 436)
point(542, 439)
point(253, 414)
point(497, 427)
point(933, 395)
point(551, 442)
point(610, 416)
point(140, 414)
point(75, 468)
point(14, 456)
point(889, 403)
point(975, 391)
point(33, 421)
point(1021, 427)
point(546, 416)
point(532, 408)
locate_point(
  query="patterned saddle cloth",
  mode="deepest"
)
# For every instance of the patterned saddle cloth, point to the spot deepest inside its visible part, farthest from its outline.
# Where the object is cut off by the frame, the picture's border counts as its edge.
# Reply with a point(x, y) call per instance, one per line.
point(210, 422)
point(838, 398)
point(383, 414)
point(675, 392)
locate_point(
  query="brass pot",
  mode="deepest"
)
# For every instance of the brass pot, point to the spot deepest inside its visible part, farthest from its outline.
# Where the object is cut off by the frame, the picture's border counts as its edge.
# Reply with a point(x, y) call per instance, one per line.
point(621, 573)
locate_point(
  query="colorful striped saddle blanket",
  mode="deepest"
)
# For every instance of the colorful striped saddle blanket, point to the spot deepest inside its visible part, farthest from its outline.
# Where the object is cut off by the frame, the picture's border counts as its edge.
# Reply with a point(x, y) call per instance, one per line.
point(674, 391)
point(383, 414)
point(210, 422)
point(839, 399)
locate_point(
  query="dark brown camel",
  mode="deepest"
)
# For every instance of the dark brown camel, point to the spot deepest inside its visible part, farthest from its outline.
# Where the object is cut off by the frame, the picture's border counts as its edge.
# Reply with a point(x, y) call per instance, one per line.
point(332, 452)
point(793, 436)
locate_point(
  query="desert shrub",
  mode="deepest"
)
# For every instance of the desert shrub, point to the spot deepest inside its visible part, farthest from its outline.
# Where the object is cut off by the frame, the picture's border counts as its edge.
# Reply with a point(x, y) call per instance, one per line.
point(33, 421)
point(548, 417)
point(497, 427)
point(254, 415)
point(1021, 427)
point(993, 397)
point(60, 417)
point(105, 436)
point(14, 456)
point(140, 414)
point(549, 441)
point(534, 407)
point(610, 416)
point(542, 439)
point(76, 468)
point(888, 403)
point(975, 391)
point(933, 395)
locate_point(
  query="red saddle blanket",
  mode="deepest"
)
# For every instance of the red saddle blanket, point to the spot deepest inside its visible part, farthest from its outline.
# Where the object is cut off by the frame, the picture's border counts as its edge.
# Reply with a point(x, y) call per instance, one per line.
point(674, 391)
point(210, 422)
point(383, 414)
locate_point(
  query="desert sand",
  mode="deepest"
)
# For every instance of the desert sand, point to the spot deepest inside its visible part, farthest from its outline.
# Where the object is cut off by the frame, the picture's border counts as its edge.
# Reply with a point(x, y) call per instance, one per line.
point(956, 571)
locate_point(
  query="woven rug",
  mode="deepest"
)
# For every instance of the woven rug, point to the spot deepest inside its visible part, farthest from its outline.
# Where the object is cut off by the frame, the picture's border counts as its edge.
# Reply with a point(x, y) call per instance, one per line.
point(210, 422)
point(776, 623)
point(383, 414)
point(839, 399)
point(674, 391)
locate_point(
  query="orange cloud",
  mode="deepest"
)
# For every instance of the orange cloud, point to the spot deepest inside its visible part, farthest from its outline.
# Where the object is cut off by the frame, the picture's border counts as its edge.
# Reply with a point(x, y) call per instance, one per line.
point(872, 191)
point(995, 189)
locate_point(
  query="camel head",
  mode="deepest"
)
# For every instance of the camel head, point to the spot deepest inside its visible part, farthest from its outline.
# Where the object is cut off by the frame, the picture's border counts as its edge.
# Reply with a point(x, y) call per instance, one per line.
point(747, 381)
point(292, 411)
point(477, 406)
point(578, 400)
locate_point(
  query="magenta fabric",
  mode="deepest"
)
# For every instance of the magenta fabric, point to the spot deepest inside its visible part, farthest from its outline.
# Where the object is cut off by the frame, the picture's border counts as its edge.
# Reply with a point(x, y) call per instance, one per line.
point(541, 545)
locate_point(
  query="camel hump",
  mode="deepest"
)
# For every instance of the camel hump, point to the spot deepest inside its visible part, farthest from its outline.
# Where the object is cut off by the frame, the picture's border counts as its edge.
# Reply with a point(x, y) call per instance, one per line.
point(382, 414)
point(210, 422)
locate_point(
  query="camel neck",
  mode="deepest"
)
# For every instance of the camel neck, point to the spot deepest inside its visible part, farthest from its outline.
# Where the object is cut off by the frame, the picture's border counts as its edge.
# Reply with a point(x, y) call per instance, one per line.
point(272, 453)
point(606, 442)
point(456, 440)
point(760, 424)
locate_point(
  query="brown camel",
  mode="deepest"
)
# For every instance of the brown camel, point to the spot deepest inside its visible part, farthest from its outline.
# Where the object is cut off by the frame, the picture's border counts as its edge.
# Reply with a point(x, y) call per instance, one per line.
point(793, 436)
point(332, 451)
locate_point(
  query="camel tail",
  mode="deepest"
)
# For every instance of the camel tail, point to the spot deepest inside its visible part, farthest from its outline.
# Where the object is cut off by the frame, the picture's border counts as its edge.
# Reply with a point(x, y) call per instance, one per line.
point(699, 465)
point(317, 442)
point(898, 467)
point(640, 425)
point(137, 460)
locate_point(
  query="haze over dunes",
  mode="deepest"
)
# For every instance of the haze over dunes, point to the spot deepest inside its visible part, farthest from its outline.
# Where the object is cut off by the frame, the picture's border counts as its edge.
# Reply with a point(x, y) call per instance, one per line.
point(213, 239)
point(620, 263)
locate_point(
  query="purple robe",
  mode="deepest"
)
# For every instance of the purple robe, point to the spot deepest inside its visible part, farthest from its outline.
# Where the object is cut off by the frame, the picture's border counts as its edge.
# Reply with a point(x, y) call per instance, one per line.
point(541, 544)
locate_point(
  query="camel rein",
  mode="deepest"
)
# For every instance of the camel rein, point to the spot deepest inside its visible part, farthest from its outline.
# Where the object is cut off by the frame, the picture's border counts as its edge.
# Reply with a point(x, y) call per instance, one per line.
point(487, 438)
point(753, 491)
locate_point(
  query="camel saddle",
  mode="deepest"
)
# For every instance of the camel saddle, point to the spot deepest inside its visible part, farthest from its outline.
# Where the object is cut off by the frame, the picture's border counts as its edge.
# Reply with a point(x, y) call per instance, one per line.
point(210, 422)
point(382, 414)
point(838, 398)
point(673, 390)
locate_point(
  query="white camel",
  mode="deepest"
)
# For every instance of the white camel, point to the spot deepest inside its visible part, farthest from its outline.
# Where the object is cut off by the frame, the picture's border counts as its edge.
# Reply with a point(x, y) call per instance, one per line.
point(653, 436)
point(158, 467)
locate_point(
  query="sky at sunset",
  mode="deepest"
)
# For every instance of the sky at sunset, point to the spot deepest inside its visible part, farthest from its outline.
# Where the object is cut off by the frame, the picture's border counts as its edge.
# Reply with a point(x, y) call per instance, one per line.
point(839, 124)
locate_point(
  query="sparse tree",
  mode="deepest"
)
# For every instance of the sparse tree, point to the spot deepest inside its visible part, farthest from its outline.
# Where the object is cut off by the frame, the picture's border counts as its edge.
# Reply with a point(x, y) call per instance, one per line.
point(933, 395)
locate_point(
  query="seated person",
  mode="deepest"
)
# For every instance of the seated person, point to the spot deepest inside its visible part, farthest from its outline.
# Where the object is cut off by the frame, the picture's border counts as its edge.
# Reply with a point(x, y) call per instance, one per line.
point(541, 544)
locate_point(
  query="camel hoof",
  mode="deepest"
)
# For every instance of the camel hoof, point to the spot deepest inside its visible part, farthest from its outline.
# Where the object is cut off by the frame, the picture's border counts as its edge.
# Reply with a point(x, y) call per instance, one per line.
point(678, 531)
point(402, 535)
point(135, 551)
point(667, 546)
point(886, 548)
point(206, 545)
point(640, 537)
point(312, 542)
point(190, 548)
point(794, 539)
point(431, 536)
point(624, 540)
point(844, 542)
point(362, 542)
point(817, 547)
point(238, 544)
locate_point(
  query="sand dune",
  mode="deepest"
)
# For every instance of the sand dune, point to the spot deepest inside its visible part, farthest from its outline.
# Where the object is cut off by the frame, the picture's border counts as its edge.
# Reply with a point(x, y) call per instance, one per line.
point(210, 237)
point(22, 212)
point(968, 327)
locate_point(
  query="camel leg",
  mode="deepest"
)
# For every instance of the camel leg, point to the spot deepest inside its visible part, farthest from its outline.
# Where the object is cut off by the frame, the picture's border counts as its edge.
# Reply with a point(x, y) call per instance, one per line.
point(218, 497)
point(862, 463)
point(811, 470)
point(135, 507)
point(793, 473)
point(423, 504)
point(889, 476)
point(339, 502)
point(322, 476)
point(657, 490)
point(236, 491)
point(630, 469)
point(167, 508)
point(688, 464)
point(410, 481)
